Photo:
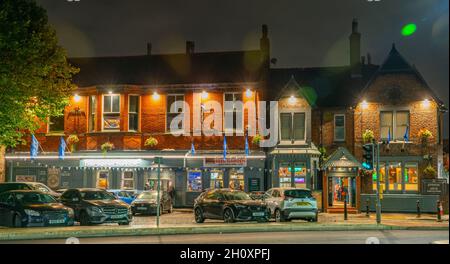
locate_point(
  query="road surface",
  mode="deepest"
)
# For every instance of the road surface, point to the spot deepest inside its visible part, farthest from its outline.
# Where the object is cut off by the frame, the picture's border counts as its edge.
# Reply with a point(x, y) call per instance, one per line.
point(302, 237)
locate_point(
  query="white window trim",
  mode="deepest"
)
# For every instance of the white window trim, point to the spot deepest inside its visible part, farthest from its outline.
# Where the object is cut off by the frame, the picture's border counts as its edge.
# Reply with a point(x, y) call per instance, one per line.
point(103, 112)
point(292, 112)
point(123, 180)
point(166, 112)
point(90, 113)
point(232, 130)
point(394, 123)
point(139, 113)
point(334, 128)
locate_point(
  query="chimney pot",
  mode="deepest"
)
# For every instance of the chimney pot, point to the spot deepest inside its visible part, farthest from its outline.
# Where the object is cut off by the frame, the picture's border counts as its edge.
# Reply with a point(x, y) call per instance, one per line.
point(149, 48)
point(190, 45)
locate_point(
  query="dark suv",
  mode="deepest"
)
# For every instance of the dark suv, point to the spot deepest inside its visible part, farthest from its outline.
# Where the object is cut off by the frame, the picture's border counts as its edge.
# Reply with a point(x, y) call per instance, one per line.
point(229, 205)
point(34, 186)
point(96, 206)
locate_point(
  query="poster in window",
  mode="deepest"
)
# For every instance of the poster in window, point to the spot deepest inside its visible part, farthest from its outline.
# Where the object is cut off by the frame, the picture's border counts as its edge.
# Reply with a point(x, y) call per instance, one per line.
point(53, 178)
point(194, 181)
point(25, 178)
point(112, 122)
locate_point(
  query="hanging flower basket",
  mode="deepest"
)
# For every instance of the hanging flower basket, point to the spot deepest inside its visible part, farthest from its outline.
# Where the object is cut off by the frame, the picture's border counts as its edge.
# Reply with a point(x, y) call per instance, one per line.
point(151, 142)
point(108, 146)
point(72, 140)
point(368, 136)
point(256, 139)
point(424, 134)
point(429, 172)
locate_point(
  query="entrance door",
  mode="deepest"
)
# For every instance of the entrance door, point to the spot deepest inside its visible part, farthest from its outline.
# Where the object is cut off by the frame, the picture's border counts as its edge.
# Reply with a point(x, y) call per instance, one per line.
point(102, 180)
point(339, 190)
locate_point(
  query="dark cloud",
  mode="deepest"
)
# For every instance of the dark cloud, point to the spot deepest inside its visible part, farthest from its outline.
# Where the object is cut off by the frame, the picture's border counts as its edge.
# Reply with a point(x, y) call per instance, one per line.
point(302, 32)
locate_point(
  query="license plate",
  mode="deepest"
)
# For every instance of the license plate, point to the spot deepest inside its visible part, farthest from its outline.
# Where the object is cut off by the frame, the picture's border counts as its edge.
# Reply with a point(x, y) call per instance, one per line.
point(258, 214)
point(142, 208)
point(59, 221)
point(117, 216)
point(303, 204)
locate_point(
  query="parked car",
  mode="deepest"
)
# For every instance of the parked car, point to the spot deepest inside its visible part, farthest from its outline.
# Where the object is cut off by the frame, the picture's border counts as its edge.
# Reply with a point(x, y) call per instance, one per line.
point(291, 203)
point(229, 205)
point(127, 196)
point(146, 203)
point(61, 191)
point(22, 208)
point(36, 186)
point(257, 195)
point(96, 206)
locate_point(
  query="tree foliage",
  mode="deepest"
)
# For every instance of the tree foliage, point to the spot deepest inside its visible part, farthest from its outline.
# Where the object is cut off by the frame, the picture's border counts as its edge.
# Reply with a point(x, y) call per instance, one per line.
point(35, 77)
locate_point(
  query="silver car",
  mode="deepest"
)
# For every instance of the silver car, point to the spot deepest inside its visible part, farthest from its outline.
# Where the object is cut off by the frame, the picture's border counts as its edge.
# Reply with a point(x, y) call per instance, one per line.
point(285, 204)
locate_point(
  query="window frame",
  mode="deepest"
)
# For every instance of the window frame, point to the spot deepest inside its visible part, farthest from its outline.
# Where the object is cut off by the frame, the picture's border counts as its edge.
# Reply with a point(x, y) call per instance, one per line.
point(393, 112)
point(167, 124)
point(112, 113)
point(138, 113)
point(233, 130)
point(49, 131)
point(344, 127)
point(293, 141)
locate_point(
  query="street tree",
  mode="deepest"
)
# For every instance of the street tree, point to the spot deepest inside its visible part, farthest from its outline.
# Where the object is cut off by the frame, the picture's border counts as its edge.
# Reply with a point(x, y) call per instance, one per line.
point(35, 76)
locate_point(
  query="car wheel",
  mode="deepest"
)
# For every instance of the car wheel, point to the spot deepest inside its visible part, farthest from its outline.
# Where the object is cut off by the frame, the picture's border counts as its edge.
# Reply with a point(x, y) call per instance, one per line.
point(198, 214)
point(17, 222)
point(279, 216)
point(228, 216)
point(84, 219)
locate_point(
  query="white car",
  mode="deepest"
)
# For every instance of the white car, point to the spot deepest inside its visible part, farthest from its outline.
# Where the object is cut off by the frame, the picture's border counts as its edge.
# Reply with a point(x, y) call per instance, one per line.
point(286, 204)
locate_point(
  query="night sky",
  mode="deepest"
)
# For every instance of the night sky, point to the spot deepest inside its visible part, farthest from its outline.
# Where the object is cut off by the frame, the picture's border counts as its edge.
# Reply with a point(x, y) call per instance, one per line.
point(303, 33)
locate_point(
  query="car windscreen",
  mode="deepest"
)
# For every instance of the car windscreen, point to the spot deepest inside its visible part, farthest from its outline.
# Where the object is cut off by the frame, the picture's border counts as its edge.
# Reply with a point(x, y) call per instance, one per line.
point(147, 196)
point(96, 195)
point(34, 198)
point(231, 196)
point(298, 193)
point(41, 187)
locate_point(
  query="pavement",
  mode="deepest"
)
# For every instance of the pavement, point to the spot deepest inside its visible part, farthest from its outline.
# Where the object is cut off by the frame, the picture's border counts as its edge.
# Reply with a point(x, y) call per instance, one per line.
point(182, 222)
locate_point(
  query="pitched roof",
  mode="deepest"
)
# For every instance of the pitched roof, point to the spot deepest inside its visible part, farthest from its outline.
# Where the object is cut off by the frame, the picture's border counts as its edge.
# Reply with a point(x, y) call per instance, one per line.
point(207, 67)
point(341, 158)
point(321, 86)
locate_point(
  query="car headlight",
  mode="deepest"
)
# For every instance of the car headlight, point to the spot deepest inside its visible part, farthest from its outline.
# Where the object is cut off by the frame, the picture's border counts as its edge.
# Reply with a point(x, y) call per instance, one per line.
point(70, 212)
point(93, 210)
point(32, 212)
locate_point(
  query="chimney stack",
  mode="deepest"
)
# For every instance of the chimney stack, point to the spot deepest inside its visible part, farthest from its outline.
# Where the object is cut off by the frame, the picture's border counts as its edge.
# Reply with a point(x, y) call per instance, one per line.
point(149, 48)
point(190, 46)
point(355, 49)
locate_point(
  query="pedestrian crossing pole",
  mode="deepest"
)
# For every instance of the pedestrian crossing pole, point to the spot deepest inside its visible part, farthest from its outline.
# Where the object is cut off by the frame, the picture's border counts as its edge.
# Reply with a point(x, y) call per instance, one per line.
point(158, 190)
point(378, 209)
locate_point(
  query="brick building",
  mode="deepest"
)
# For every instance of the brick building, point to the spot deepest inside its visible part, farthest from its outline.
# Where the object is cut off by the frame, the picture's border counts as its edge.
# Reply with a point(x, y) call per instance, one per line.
point(321, 115)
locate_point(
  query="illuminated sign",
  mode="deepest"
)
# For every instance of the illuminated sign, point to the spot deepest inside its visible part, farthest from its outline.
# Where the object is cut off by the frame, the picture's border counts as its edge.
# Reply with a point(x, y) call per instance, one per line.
point(229, 162)
point(123, 163)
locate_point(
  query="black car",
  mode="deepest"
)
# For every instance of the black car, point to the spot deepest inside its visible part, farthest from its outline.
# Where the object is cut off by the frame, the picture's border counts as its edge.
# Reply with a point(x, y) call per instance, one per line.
point(96, 206)
point(36, 186)
point(23, 208)
point(146, 203)
point(229, 205)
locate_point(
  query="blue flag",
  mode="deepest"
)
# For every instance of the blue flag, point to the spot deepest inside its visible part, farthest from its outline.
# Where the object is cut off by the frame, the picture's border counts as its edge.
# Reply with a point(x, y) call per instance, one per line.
point(389, 136)
point(62, 148)
point(406, 136)
point(247, 151)
point(192, 148)
point(224, 147)
point(34, 147)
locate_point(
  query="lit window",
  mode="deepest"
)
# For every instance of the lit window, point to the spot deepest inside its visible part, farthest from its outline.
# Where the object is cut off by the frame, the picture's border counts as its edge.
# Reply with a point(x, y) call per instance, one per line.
point(194, 183)
point(411, 176)
point(237, 179)
point(111, 112)
point(284, 173)
point(395, 176)
point(395, 124)
point(382, 178)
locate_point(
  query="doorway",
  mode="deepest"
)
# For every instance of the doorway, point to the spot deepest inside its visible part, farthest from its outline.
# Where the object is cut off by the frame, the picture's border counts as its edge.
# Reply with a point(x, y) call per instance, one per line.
point(340, 190)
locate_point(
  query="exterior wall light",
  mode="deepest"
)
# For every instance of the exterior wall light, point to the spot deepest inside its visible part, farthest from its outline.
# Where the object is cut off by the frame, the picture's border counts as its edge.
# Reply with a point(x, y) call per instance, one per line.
point(110, 92)
point(156, 96)
point(76, 98)
point(292, 100)
point(426, 103)
point(364, 104)
point(248, 93)
point(204, 95)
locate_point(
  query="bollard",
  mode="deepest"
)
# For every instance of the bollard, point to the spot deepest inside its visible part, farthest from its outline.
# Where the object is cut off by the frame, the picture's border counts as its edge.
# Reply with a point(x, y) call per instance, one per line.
point(418, 209)
point(367, 208)
point(439, 211)
point(345, 207)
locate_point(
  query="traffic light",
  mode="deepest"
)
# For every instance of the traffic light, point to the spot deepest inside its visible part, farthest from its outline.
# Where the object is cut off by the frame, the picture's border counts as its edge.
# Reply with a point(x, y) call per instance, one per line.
point(368, 156)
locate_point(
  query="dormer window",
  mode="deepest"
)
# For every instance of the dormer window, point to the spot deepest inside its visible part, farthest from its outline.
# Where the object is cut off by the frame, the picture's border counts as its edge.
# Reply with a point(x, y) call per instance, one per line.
point(292, 127)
